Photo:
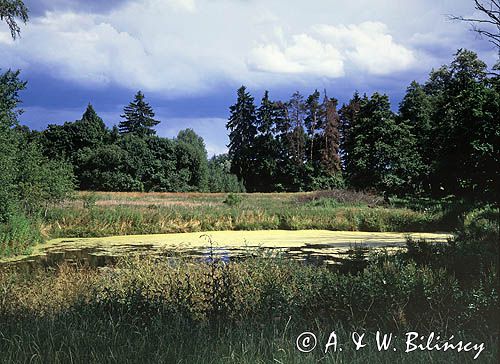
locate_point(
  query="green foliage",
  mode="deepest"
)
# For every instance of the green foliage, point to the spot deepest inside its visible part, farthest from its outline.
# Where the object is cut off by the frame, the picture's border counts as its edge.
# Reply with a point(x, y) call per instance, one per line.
point(220, 178)
point(18, 235)
point(138, 118)
point(233, 200)
point(29, 182)
point(10, 86)
point(462, 146)
point(41, 182)
point(379, 152)
point(103, 168)
point(191, 157)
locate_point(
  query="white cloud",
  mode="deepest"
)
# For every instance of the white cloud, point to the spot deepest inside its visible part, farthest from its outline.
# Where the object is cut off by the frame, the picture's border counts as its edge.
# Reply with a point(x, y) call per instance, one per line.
point(184, 47)
point(369, 47)
point(305, 55)
point(366, 47)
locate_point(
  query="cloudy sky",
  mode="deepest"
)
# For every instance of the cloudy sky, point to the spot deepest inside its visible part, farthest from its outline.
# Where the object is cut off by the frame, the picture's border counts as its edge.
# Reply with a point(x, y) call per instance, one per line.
point(190, 56)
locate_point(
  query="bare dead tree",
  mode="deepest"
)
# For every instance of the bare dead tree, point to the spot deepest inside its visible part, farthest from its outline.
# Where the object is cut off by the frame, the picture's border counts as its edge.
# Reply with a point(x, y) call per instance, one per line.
point(485, 26)
point(11, 11)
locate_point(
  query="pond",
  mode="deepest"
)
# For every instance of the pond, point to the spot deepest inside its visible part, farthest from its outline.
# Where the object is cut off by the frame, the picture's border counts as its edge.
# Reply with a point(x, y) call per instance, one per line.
point(319, 246)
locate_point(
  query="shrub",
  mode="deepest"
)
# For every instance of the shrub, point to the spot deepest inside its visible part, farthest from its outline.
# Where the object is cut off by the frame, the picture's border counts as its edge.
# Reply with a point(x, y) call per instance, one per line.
point(233, 199)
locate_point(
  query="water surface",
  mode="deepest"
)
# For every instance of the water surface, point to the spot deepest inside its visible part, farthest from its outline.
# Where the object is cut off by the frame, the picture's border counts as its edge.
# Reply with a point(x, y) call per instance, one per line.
point(311, 245)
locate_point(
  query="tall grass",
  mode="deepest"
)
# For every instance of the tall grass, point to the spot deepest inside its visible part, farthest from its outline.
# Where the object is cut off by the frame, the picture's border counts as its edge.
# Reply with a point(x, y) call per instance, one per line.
point(248, 214)
point(158, 311)
point(18, 235)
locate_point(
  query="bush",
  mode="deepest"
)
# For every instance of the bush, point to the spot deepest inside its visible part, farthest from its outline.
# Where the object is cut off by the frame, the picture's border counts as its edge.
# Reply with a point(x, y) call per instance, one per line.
point(233, 199)
point(481, 224)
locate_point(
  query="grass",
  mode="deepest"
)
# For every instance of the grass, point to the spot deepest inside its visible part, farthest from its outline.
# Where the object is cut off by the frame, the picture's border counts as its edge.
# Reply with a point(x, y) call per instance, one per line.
point(153, 213)
point(93, 341)
point(146, 310)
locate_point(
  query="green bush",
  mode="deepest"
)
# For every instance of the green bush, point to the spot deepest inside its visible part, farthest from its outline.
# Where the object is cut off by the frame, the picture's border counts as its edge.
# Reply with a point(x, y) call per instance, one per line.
point(233, 199)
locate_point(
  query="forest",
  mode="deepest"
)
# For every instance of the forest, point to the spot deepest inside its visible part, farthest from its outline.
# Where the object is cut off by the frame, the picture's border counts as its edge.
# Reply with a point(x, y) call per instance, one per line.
point(440, 142)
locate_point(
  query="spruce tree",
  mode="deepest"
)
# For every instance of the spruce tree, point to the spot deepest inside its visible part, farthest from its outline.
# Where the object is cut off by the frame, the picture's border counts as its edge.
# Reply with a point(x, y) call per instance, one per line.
point(266, 146)
point(415, 110)
point(349, 115)
point(138, 118)
point(242, 132)
point(313, 121)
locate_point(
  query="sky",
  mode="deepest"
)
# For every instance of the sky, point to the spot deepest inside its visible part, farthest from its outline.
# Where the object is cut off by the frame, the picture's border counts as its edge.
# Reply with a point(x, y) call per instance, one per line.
point(190, 56)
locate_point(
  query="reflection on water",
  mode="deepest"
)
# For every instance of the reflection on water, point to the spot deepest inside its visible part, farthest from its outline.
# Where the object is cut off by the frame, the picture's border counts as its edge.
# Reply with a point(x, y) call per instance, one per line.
point(101, 257)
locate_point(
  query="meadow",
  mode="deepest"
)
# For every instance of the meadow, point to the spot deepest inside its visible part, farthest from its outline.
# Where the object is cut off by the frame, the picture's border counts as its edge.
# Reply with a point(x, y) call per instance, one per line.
point(121, 213)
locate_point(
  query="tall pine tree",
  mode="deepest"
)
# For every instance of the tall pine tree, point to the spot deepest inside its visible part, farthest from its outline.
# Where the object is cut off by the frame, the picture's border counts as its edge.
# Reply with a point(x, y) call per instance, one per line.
point(266, 146)
point(242, 132)
point(138, 118)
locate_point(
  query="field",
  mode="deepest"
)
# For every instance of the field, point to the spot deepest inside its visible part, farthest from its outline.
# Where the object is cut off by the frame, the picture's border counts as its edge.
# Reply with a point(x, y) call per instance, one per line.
point(106, 214)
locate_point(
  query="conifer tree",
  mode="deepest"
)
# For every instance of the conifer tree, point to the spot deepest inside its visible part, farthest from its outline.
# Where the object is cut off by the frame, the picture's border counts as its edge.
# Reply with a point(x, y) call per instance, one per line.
point(266, 145)
point(242, 132)
point(90, 130)
point(313, 121)
point(415, 110)
point(138, 118)
point(349, 115)
point(330, 158)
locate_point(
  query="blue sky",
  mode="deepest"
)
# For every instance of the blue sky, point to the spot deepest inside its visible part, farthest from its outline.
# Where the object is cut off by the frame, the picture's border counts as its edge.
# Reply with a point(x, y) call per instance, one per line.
point(190, 56)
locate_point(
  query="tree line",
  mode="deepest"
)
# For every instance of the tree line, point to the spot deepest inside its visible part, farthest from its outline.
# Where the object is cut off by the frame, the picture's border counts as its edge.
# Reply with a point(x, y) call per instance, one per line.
point(131, 157)
point(442, 141)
